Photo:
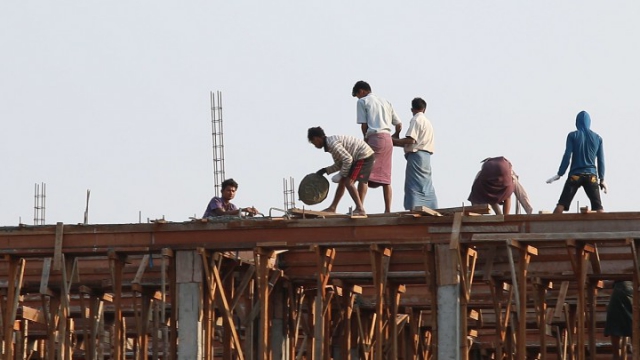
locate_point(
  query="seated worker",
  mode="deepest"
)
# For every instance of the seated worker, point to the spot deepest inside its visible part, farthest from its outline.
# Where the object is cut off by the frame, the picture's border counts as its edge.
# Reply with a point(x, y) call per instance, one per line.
point(494, 185)
point(219, 206)
point(619, 321)
point(352, 157)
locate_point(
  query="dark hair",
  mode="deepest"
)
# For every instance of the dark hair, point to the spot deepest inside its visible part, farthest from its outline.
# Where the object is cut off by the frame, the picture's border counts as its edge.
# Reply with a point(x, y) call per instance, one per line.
point(418, 104)
point(228, 182)
point(360, 85)
point(315, 132)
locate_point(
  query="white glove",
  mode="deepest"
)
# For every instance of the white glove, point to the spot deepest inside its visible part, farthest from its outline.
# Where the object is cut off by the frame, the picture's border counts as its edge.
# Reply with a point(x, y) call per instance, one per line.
point(336, 178)
point(603, 186)
point(553, 178)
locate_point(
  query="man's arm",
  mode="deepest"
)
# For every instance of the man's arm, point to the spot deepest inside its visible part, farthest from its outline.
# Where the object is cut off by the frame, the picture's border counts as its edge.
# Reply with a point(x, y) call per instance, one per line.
point(566, 158)
point(403, 142)
point(222, 211)
point(364, 128)
point(398, 129)
point(250, 210)
point(600, 159)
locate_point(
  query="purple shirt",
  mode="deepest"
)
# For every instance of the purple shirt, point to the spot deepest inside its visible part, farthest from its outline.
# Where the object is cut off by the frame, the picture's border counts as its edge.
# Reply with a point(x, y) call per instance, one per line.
point(217, 203)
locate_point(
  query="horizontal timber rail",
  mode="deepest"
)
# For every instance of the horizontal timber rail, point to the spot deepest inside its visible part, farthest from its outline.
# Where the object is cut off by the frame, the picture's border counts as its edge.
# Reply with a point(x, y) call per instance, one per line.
point(522, 286)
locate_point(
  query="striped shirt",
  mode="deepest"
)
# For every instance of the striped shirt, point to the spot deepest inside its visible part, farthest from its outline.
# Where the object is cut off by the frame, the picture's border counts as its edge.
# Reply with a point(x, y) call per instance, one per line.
point(345, 150)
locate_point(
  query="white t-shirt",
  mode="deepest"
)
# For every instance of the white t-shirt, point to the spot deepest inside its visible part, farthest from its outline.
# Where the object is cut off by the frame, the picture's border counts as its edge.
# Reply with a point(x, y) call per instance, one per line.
point(377, 113)
point(421, 131)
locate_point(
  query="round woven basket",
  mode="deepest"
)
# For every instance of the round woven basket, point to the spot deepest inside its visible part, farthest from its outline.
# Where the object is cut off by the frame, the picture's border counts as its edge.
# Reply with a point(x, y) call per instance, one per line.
point(313, 189)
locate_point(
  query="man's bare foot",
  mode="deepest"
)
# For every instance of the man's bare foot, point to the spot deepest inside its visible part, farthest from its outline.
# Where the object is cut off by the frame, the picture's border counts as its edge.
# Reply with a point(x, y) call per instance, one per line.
point(329, 209)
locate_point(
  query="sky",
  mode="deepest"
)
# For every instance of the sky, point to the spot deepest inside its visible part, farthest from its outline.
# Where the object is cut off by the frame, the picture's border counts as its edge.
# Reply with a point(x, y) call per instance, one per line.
point(114, 97)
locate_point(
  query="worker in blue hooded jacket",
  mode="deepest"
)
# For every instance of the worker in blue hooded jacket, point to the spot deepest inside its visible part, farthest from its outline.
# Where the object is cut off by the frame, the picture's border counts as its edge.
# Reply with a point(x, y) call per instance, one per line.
point(585, 152)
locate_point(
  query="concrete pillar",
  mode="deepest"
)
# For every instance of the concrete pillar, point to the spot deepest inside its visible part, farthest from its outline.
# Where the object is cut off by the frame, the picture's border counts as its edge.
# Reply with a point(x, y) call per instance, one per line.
point(448, 306)
point(188, 281)
point(449, 322)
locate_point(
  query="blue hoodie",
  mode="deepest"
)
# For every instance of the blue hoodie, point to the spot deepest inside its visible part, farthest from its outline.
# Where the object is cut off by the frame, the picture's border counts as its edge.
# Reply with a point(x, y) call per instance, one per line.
point(583, 148)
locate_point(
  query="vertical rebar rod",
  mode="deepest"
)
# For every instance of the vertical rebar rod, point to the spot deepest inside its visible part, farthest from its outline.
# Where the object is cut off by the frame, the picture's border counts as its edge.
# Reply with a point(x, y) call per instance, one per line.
point(289, 193)
point(39, 203)
point(217, 136)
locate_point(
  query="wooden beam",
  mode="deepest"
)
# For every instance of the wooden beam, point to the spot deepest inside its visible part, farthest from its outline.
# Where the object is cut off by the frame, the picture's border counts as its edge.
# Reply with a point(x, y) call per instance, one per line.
point(423, 210)
point(595, 235)
point(141, 268)
point(57, 247)
point(116, 265)
point(380, 266)
point(261, 260)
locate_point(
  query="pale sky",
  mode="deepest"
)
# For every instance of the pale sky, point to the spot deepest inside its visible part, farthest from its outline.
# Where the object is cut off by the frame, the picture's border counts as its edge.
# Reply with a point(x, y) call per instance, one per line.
point(114, 96)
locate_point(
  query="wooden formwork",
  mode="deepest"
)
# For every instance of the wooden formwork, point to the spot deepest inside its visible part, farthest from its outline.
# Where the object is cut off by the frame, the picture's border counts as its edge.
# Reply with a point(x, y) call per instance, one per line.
point(530, 286)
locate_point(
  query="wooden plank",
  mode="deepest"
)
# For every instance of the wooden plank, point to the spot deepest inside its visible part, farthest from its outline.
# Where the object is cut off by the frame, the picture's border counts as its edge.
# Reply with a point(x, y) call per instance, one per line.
point(57, 247)
point(478, 209)
point(610, 235)
point(445, 229)
point(455, 231)
point(143, 265)
point(635, 330)
point(226, 313)
point(315, 214)
point(564, 286)
point(44, 281)
point(423, 210)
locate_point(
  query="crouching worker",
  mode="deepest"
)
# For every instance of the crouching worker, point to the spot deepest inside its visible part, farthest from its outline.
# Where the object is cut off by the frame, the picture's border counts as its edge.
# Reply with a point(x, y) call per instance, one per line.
point(220, 206)
point(494, 185)
point(352, 157)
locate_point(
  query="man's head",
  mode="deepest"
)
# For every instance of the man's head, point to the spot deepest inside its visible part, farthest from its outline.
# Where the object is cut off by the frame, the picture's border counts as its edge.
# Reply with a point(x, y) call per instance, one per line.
point(418, 105)
point(229, 188)
point(316, 136)
point(583, 120)
point(361, 89)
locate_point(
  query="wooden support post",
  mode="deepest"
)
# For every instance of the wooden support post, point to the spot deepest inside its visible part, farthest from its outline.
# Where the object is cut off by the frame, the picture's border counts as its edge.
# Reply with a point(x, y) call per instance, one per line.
point(64, 312)
point(22, 343)
point(14, 286)
point(497, 290)
point(96, 314)
point(635, 334)
point(324, 264)
point(207, 323)
point(349, 297)
point(579, 262)
point(171, 332)
point(592, 293)
point(541, 287)
point(50, 306)
point(228, 282)
point(295, 309)
point(57, 247)
point(141, 307)
point(432, 285)
point(279, 323)
point(519, 280)
point(396, 292)
point(116, 264)
point(570, 320)
point(262, 257)
point(380, 262)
